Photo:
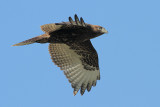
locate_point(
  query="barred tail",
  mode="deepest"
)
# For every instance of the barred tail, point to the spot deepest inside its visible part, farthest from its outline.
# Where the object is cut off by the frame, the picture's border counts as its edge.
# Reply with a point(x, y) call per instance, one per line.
point(38, 39)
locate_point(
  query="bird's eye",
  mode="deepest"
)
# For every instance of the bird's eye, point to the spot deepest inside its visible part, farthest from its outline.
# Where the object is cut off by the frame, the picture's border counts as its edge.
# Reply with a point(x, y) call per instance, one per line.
point(99, 28)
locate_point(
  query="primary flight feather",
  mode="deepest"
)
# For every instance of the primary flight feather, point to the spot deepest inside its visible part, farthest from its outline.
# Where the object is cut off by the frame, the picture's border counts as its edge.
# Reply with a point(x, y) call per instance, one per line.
point(71, 50)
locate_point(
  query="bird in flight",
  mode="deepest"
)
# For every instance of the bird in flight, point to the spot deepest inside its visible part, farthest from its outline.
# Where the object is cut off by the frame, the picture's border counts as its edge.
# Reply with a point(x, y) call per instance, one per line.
point(71, 50)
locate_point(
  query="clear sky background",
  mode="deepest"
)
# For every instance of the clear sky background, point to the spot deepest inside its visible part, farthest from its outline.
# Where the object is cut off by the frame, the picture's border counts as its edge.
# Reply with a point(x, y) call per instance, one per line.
point(129, 55)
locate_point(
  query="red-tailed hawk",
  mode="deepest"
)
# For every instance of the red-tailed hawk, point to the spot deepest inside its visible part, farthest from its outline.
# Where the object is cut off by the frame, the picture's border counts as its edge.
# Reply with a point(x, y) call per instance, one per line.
point(71, 50)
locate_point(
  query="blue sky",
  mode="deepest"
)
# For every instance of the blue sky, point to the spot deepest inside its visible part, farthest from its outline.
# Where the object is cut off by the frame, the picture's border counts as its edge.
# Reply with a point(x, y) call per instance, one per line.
point(129, 55)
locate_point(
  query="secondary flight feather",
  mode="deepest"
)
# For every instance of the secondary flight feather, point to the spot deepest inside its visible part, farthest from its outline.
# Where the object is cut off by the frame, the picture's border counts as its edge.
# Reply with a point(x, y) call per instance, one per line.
point(71, 50)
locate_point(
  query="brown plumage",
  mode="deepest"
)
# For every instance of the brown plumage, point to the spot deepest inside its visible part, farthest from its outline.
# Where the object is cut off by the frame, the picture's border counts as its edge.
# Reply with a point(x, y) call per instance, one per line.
point(71, 50)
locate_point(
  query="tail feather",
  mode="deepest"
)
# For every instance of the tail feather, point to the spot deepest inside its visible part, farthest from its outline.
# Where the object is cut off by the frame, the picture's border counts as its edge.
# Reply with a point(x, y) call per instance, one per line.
point(39, 39)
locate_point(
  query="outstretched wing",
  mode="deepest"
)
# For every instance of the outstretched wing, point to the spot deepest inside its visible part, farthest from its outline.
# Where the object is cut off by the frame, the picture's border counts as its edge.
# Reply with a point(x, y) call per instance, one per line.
point(49, 28)
point(79, 61)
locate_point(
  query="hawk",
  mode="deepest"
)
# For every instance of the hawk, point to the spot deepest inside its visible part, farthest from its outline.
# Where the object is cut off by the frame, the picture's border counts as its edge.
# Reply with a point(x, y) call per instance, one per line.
point(71, 50)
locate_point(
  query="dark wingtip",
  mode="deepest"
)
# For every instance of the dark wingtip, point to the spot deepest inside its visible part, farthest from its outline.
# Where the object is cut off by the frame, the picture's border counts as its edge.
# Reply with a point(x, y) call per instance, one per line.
point(70, 18)
point(89, 86)
point(75, 15)
point(71, 21)
point(82, 92)
point(82, 22)
point(77, 19)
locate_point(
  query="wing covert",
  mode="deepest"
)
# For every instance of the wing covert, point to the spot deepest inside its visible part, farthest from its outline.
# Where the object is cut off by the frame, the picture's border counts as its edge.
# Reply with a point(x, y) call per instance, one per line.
point(48, 28)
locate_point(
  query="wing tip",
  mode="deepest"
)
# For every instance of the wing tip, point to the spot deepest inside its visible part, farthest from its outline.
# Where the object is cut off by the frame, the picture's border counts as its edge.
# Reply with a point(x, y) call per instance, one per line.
point(75, 92)
point(18, 44)
point(13, 45)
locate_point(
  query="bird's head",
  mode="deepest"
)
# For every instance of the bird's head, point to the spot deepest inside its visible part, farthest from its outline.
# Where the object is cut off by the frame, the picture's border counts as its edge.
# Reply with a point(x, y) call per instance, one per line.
point(99, 29)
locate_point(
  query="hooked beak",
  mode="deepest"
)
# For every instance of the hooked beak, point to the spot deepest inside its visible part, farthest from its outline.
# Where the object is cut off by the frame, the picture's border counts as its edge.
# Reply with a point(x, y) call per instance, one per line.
point(104, 30)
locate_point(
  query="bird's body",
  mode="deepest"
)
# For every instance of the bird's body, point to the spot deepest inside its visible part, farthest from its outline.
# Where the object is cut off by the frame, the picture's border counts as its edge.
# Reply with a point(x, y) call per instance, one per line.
point(70, 49)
